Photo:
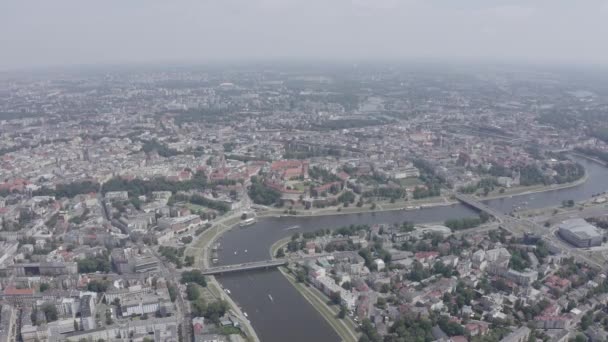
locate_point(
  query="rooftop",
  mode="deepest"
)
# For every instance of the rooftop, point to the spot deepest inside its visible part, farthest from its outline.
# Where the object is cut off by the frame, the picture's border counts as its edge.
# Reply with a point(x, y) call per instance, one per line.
point(580, 228)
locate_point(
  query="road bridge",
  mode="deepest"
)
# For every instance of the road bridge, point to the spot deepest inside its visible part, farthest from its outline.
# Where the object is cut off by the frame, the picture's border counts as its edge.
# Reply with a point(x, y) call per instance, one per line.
point(248, 266)
point(520, 226)
point(262, 264)
point(475, 204)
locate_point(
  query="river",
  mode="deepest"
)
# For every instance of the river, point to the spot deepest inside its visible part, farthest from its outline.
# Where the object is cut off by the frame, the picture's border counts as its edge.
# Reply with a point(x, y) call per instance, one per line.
point(288, 316)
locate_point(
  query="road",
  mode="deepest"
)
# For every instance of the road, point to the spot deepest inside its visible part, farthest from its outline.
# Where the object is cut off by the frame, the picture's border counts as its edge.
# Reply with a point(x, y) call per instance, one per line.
point(275, 262)
point(519, 226)
point(182, 312)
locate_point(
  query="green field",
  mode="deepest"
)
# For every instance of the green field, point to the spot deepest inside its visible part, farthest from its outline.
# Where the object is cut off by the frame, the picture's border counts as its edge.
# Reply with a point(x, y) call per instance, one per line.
point(407, 182)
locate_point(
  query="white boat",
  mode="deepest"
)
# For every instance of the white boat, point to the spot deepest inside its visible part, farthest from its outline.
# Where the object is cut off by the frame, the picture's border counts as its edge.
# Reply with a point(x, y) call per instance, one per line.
point(293, 227)
point(270, 297)
point(247, 222)
point(244, 313)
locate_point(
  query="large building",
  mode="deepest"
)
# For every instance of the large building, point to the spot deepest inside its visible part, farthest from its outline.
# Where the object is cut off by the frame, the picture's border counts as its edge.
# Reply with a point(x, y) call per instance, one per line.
point(288, 169)
point(44, 268)
point(19, 296)
point(87, 312)
point(139, 305)
point(180, 224)
point(580, 233)
point(159, 329)
point(525, 278)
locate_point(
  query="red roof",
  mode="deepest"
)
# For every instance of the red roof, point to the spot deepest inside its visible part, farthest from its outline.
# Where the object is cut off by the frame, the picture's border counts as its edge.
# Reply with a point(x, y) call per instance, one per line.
point(285, 164)
point(343, 175)
point(459, 339)
point(426, 255)
point(11, 291)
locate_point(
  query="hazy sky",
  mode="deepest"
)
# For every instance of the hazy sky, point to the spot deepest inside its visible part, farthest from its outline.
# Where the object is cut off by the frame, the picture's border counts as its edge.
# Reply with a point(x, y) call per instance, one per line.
point(65, 32)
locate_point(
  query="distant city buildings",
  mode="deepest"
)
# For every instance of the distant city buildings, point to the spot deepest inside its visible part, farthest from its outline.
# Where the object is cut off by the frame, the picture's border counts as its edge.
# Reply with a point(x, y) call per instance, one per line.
point(108, 179)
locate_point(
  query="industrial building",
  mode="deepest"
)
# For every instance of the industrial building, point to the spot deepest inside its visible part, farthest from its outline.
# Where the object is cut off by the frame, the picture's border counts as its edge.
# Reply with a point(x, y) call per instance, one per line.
point(580, 233)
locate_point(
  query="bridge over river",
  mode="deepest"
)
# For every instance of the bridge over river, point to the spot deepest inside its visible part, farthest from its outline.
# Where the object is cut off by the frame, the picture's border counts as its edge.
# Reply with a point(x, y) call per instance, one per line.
point(248, 266)
point(517, 226)
point(257, 265)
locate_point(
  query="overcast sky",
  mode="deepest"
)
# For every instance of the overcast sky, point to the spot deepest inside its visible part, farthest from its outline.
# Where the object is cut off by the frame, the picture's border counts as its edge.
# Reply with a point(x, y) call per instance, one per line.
point(67, 32)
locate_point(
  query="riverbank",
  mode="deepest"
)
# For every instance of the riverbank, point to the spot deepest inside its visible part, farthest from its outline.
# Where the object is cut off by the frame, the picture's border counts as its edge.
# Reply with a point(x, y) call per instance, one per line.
point(521, 191)
point(279, 244)
point(246, 326)
point(352, 210)
point(262, 236)
point(593, 159)
point(343, 327)
point(202, 244)
point(442, 201)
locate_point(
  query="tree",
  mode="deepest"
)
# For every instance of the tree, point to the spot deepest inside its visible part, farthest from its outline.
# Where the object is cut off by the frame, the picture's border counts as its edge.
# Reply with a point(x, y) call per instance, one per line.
point(172, 292)
point(261, 194)
point(568, 203)
point(571, 305)
point(189, 260)
point(192, 292)
point(44, 287)
point(109, 320)
point(213, 311)
point(586, 320)
point(34, 315)
point(335, 298)
point(90, 265)
point(347, 197)
point(97, 286)
point(300, 276)
point(194, 276)
point(280, 253)
point(381, 302)
point(342, 312)
point(50, 312)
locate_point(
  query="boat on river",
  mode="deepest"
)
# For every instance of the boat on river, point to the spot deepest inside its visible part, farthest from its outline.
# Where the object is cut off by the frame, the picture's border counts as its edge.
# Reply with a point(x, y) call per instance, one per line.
point(248, 222)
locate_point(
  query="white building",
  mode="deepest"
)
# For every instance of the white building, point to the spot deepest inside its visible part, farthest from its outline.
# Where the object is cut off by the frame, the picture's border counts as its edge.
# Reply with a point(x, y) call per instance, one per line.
point(139, 305)
point(117, 195)
point(380, 265)
point(580, 233)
